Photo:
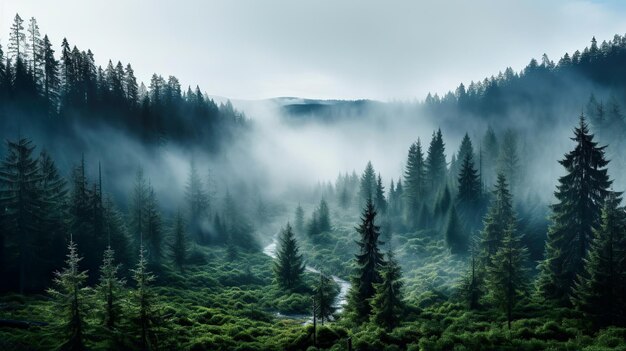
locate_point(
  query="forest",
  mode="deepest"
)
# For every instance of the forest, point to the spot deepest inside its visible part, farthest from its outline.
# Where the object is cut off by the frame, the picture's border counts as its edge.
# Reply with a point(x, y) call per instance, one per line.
point(138, 217)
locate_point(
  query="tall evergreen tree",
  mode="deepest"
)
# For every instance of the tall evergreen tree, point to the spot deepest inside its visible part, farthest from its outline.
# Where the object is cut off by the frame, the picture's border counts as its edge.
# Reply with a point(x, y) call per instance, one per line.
point(110, 290)
point(490, 150)
point(367, 189)
point(465, 149)
point(456, 240)
point(580, 195)
point(324, 295)
point(154, 228)
point(387, 303)
point(369, 262)
point(436, 163)
point(507, 277)
point(145, 307)
point(471, 288)
point(288, 265)
point(499, 217)
point(198, 202)
point(381, 201)
point(17, 39)
point(137, 212)
point(469, 195)
point(599, 290)
point(20, 199)
point(51, 84)
point(69, 297)
point(508, 159)
point(299, 220)
point(35, 50)
point(414, 182)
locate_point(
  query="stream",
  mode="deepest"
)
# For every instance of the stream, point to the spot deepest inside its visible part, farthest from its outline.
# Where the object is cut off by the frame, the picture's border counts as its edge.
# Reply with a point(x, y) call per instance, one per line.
point(340, 300)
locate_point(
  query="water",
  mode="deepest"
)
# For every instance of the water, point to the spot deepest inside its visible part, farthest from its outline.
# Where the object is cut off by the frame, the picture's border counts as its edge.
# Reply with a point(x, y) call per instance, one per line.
point(340, 300)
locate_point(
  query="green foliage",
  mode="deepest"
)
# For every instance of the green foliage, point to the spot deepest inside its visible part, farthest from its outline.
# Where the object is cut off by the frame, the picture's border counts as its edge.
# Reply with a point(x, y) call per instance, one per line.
point(580, 195)
point(324, 294)
point(288, 266)
point(387, 303)
point(367, 189)
point(69, 301)
point(369, 262)
point(436, 166)
point(179, 247)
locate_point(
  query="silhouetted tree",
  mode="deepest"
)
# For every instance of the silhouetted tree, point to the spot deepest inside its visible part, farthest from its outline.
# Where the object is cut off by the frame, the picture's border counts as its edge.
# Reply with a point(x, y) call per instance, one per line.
point(288, 266)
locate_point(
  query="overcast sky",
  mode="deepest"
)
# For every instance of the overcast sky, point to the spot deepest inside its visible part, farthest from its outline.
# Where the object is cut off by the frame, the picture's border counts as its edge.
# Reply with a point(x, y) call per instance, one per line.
point(321, 49)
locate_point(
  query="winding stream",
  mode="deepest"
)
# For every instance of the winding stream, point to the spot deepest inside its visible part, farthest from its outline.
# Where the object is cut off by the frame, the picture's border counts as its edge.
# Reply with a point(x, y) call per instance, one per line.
point(340, 300)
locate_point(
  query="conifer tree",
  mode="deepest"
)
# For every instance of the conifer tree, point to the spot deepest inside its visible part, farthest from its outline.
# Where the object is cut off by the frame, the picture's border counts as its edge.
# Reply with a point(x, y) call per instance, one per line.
point(469, 195)
point(499, 217)
point(137, 212)
point(324, 294)
point(436, 162)
point(369, 262)
point(580, 195)
point(414, 182)
point(17, 39)
point(110, 290)
point(465, 149)
point(179, 247)
point(490, 150)
point(381, 201)
point(387, 303)
point(35, 50)
point(117, 232)
point(51, 84)
point(367, 188)
point(20, 199)
point(239, 231)
point(599, 290)
point(69, 300)
point(145, 308)
point(299, 220)
point(507, 277)
point(198, 202)
point(288, 266)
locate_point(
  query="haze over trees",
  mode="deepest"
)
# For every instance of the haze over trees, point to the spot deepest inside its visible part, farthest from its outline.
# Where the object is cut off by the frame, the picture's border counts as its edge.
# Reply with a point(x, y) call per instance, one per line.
point(454, 249)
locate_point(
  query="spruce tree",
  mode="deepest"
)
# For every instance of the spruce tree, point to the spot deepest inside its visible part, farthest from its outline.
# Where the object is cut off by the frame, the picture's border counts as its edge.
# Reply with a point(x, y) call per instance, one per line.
point(436, 163)
point(414, 182)
point(51, 84)
point(507, 278)
point(469, 195)
point(580, 196)
point(369, 262)
point(490, 150)
point(179, 247)
point(465, 149)
point(299, 220)
point(137, 215)
point(508, 159)
point(324, 295)
point(20, 199)
point(154, 228)
point(499, 217)
point(17, 39)
point(288, 266)
point(387, 303)
point(198, 202)
point(145, 308)
point(110, 290)
point(69, 300)
point(599, 289)
point(367, 188)
point(381, 201)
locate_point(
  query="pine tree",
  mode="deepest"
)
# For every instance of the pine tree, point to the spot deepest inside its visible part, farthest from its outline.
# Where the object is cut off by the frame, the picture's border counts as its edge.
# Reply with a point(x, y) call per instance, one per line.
point(50, 81)
point(491, 150)
point(130, 86)
point(499, 217)
point(580, 195)
point(414, 182)
point(179, 247)
point(599, 290)
point(324, 294)
point(116, 232)
point(469, 195)
point(299, 220)
point(436, 162)
point(507, 277)
point(465, 149)
point(69, 300)
point(20, 199)
point(381, 202)
point(239, 230)
point(387, 303)
point(35, 50)
point(367, 188)
point(288, 266)
point(110, 290)
point(145, 308)
point(455, 237)
point(17, 39)
point(198, 203)
point(369, 262)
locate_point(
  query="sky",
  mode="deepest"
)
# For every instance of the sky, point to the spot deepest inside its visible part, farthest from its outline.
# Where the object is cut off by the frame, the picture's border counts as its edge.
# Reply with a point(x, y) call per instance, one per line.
point(349, 49)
